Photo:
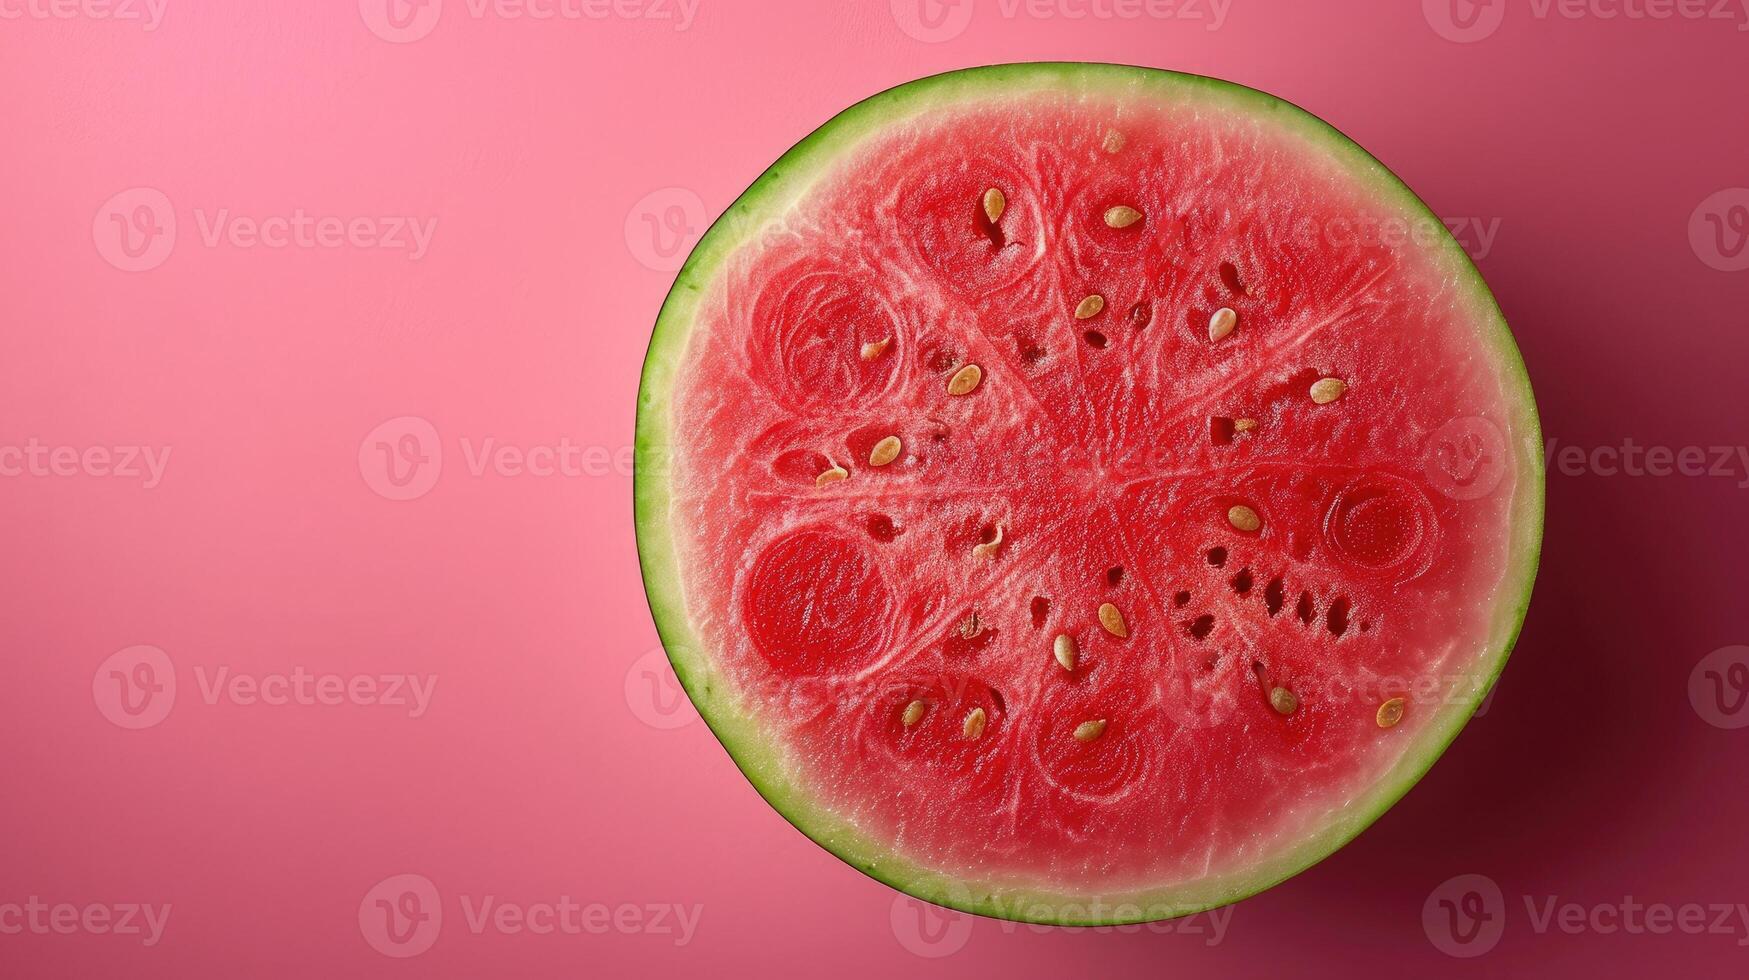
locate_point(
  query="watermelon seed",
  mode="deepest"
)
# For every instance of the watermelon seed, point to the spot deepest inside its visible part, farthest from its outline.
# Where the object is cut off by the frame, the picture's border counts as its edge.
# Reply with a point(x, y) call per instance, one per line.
point(1096, 339)
point(875, 348)
point(1283, 701)
point(832, 475)
point(975, 722)
point(1217, 557)
point(1305, 610)
point(1222, 323)
point(1390, 713)
point(1242, 582)
point(1244, 425)
point(1112, 620)
point(1244, 519)
point(1064, 650)
point(885, 451)
point(1122, 216)
point(971, 626)
point(995, 202)
point(1337, 619)
point(1200, 627)
point(1141, 315)
point(966, 380)
point(1327, 390)
point(913, 713)
point(1090, 307)
point(1114, 141)
point(1274, 596)
point(1088, 731)
point(988, 549)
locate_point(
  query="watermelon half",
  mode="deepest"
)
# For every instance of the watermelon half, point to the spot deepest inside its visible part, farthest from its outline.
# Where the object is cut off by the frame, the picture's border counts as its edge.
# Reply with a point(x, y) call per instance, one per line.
point(1084, 494)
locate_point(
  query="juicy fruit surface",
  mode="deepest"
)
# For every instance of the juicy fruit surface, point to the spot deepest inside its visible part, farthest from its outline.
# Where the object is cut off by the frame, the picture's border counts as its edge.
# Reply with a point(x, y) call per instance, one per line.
point(895, 628)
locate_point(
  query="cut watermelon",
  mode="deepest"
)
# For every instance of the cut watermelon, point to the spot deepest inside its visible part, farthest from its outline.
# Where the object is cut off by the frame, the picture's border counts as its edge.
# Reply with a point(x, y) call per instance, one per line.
point(1084, 494)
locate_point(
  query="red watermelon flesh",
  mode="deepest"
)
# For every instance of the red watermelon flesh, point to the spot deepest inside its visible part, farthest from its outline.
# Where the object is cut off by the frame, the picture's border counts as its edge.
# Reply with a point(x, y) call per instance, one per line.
point(883, 652)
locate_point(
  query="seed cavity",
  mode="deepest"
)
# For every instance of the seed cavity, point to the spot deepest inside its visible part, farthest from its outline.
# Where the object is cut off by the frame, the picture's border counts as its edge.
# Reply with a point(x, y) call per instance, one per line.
point(971, 626)
point(885, 451)
point(832, 475)
point(1114, 141)
point(1089, 731)
point(1283, 701)
point(913, 713)
point(875, 348)
point(965, 380)
point(1390, 713)
point(975, 722)
point(1064, 649)
point(1122, 216)
point(1090, 307)
point(1225, 320)
point(1327, 390)
point(1112, 620)
point(995, 202)
point(988, 549)
point(1244, 519)
point(1244, 425)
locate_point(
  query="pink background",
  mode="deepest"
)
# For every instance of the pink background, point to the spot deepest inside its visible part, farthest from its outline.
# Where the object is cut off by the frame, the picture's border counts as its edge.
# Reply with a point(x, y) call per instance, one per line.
point(546, 763)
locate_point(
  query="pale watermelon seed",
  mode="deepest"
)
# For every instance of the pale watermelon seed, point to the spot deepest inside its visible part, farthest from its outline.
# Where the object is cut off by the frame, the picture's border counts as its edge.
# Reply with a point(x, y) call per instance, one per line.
point(988, 549)
point(1114, 141)
point(1283, 701)
point(1244, 425)
point(1090, 307)
point(975, 723)
point(913, 713)
point(875, 348)
point(1112, 620)
point(832, 475)
point(995, 202)
point(1064, 649)
point(1390, 713)
point(885, 451)
point(971, 626)
point(1087, 731)
point(965, 380)
point(1222, 323)
point(1244, 518)
point(1122, 216)
point(1327, 390)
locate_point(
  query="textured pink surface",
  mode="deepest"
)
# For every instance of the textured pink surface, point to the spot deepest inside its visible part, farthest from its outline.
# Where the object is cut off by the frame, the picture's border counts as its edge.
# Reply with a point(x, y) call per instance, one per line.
point(363, 492)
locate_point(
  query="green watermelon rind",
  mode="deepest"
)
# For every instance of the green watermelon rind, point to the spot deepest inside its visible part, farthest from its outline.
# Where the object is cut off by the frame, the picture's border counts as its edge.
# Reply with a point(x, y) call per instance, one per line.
point(740, 733)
